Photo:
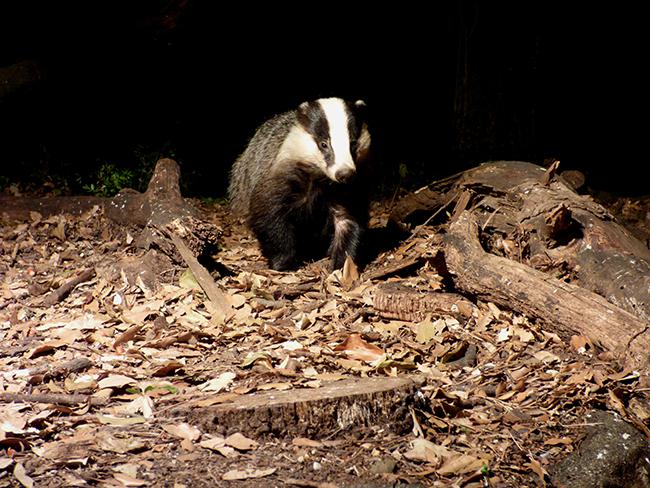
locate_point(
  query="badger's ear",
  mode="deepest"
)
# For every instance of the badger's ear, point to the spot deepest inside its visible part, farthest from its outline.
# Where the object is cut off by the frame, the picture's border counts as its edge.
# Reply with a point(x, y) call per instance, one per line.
point(303, 113)
point(360, 109)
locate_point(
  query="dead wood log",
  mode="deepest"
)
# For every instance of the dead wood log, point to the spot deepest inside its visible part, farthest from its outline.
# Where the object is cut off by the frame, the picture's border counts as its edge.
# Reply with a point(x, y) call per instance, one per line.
point(348, 405)
point(397, 301)
point(21, 208)
point(548, 227)
point(563, 307)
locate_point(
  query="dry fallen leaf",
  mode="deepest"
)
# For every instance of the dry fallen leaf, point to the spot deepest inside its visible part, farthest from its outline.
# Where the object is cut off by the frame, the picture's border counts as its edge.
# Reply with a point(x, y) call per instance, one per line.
point(21, 475)
point(463, 463)
point(217, 384)
point(183, 431)
point(127, 480)
point(115, 381)
point(356, 348)
point(240, 442)
point(248, 473)
point(424, 450)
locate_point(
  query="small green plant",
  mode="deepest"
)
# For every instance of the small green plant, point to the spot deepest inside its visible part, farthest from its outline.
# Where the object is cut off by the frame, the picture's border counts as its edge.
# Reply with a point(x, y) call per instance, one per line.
point(110, 180)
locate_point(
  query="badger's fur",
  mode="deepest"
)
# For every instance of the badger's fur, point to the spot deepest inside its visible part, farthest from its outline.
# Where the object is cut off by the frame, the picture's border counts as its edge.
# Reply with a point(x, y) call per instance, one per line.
point(298, 183)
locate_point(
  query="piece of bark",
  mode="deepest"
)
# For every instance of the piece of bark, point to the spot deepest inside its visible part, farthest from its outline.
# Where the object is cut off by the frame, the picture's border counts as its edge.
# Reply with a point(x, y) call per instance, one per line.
point(55, 398)
point(348, 405)
point(562, 307)
point(64, 290)
point(397, 301)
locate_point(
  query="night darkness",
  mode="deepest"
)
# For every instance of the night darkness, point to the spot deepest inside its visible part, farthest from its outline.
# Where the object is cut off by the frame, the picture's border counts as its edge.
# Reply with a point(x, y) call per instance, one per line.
point(448, 85)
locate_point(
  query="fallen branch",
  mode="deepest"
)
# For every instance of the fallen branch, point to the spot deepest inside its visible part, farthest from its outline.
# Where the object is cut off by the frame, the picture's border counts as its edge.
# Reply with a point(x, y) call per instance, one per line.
point(64, 290)
point(56, 398)
point(558, 305)
point(214, 293)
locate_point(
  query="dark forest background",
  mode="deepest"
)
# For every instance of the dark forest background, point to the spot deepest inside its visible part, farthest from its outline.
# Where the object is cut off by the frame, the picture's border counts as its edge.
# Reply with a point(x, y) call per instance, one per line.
point(86, 85)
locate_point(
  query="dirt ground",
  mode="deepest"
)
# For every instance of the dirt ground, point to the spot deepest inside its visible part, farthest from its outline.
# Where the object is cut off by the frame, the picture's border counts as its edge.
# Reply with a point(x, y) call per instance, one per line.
point(95, 375)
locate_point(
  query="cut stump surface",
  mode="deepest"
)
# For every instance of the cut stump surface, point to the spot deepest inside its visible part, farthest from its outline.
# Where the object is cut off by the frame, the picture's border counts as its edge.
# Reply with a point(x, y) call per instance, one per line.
point(348, 405)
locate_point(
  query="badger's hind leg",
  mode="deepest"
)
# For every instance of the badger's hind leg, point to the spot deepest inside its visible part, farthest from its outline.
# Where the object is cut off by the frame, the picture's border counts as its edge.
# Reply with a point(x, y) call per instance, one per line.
point(346, 238)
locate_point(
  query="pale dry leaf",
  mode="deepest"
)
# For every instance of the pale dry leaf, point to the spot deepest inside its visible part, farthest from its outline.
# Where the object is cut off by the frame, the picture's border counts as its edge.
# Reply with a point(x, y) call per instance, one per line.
point(115, 381)
point(350, 273)
point(21, 475)
point(129, 469)
point(236, 474)
point(142, 404)
point(546, 357)
point(275, 386)
point(240, 442)
point(127, 480)
point(305, 442)
point(120, 421)
point(427, 451)
point(523, 334)
point(213, 443)
point(217, 384)
point(503, 335)
point(463, 463)
point(183, 431)
point(291, 345)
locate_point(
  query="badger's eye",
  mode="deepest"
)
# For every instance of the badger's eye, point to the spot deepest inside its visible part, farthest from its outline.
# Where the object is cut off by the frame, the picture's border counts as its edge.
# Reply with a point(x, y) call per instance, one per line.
point(324, 144)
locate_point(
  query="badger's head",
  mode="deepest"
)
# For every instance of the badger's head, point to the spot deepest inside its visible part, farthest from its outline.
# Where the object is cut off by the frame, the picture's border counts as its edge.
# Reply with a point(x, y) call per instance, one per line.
point(331, 135)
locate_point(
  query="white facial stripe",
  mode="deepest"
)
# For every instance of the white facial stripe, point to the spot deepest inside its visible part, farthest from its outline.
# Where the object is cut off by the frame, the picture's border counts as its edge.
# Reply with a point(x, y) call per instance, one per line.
point(300, 146)
point(337, 119)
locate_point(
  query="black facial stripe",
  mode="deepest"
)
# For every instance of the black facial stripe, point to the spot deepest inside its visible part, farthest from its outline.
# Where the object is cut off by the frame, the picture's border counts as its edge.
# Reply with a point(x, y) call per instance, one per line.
point(312, 118)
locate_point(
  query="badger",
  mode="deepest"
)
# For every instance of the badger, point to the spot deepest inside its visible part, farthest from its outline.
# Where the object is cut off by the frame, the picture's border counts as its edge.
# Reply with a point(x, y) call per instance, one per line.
point(298, 183)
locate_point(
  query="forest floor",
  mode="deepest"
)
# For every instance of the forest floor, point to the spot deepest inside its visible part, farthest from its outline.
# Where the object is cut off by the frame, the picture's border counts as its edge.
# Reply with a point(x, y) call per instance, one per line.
point(96, 374)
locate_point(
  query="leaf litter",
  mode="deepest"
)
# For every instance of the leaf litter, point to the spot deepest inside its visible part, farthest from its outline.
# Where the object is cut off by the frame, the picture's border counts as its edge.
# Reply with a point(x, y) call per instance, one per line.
point(502, 397)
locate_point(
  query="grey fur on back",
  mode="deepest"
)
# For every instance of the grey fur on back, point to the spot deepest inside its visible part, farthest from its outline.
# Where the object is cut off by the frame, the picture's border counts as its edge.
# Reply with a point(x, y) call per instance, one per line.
point(254, 164)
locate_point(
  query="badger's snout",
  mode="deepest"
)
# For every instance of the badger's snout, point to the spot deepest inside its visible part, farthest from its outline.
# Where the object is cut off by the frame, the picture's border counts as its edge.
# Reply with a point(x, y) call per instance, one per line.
point(344, 175)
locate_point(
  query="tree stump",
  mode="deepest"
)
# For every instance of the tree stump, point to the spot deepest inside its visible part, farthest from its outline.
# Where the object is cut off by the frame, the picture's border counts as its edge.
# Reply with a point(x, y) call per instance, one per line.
point(348, 405)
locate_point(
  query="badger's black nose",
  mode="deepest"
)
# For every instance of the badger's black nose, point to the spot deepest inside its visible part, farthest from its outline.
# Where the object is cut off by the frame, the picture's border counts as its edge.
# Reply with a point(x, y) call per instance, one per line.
point(344, 175)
